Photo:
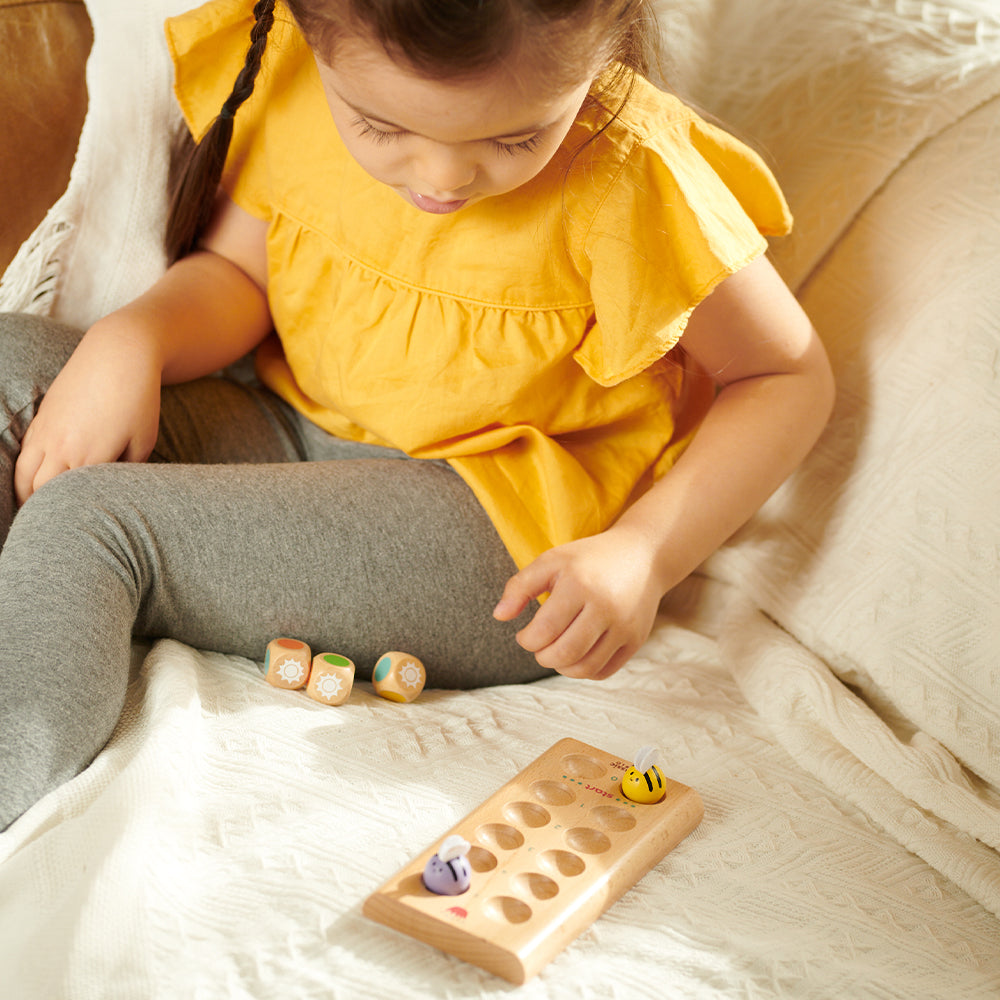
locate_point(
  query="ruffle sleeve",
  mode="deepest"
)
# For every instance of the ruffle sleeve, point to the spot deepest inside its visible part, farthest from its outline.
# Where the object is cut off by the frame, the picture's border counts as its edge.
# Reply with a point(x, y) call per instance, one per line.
point(208, 47)
point(689, 206)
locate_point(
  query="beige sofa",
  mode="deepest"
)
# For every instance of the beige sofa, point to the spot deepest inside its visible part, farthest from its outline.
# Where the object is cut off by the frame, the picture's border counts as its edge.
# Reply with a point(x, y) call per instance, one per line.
point(828, 681)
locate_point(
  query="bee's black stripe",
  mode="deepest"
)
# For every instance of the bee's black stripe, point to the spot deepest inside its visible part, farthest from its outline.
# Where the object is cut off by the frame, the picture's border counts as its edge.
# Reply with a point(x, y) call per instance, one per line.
point(650, 774)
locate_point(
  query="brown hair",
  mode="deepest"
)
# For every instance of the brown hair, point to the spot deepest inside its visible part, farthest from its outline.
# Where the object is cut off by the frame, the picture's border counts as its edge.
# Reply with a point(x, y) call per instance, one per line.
point(443, 39)
point(440, 39)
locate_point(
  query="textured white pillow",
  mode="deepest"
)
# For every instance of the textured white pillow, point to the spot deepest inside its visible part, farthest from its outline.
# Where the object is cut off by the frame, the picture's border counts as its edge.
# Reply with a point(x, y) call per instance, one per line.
point(876, 570)
point(838, 93)
point(881, 556)
point(879, 561)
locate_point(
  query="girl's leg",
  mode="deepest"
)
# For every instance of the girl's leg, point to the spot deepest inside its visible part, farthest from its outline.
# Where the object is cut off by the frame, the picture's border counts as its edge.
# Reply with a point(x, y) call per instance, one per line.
point(32, 351)
point(353, 556)
point(211, 420)
point(357, 557)
point(356, 546)
point(64, 652)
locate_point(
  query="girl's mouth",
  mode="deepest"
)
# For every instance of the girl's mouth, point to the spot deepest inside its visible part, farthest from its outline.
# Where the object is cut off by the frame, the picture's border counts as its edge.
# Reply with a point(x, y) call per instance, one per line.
point(427, 204)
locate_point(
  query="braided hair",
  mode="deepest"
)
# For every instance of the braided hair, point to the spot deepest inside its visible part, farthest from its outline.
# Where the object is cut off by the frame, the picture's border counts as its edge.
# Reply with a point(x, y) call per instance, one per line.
point(196, 168)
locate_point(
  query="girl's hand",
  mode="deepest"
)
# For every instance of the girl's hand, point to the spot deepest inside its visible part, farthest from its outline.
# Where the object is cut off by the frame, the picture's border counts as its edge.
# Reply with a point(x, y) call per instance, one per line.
point(775, 393)
point(603, 598)
point(207, 310)
point(103, 406)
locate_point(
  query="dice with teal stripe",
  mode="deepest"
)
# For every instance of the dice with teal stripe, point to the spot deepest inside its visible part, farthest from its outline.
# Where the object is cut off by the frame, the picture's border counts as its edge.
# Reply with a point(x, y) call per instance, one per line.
point(399, 676)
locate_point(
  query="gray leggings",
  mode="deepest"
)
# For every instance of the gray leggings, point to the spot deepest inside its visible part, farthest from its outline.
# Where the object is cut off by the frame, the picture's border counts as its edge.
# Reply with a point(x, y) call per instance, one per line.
point(249, 523)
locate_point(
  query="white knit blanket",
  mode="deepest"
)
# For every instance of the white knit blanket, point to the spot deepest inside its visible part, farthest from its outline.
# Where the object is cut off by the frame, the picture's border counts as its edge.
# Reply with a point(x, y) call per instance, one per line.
point(830, 682)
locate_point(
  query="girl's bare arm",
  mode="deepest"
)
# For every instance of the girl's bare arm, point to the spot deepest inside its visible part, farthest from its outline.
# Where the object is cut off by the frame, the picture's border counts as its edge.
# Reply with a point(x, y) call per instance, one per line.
point(775, 396)
point(206, 311)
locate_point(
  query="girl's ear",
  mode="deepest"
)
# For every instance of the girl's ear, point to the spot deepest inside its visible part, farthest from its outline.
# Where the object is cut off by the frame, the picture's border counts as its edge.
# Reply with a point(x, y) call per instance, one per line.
point(196, 168)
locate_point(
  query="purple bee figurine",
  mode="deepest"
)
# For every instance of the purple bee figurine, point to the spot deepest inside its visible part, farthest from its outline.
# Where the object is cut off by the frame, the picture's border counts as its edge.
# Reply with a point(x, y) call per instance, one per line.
point(448, 872)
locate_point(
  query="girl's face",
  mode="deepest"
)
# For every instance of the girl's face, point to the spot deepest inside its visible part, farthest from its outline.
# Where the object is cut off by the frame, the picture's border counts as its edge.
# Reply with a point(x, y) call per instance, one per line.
point(443, 145)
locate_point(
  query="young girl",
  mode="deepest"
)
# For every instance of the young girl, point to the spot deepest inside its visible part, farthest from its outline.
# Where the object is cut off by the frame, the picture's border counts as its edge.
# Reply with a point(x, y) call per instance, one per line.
point(516, 338)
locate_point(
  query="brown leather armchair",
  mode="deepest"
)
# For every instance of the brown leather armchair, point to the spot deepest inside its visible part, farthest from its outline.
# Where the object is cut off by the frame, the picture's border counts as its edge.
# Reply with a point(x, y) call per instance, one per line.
point(43, 100)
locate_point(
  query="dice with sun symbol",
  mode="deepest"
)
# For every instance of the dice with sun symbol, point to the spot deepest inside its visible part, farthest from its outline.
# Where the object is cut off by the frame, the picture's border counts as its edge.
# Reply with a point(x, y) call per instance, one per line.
point(286, 663)
point(398, 676)
point(331, 679)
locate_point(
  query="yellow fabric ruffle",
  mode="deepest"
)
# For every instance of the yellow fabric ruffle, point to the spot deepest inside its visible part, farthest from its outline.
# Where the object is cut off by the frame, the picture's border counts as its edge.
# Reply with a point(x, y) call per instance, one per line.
point(528, 339)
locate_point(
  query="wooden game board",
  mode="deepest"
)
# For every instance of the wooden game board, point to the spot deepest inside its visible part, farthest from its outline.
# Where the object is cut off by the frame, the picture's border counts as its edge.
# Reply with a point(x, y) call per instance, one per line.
point(551, 851)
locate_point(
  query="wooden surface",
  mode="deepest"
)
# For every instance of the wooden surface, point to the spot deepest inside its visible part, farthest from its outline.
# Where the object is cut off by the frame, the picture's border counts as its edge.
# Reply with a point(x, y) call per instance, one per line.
point(551, 851)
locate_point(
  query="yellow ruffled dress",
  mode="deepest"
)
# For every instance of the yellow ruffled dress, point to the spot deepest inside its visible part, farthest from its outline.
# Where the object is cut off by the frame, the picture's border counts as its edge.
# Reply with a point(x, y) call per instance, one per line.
point(527, 339)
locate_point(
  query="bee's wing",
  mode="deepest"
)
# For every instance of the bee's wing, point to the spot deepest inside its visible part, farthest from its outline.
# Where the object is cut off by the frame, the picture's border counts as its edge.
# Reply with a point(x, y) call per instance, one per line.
point(453, 847)
point(645, 758)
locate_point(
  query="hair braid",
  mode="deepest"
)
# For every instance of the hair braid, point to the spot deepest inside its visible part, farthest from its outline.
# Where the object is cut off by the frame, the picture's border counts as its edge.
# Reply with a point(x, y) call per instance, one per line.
point(196, 169)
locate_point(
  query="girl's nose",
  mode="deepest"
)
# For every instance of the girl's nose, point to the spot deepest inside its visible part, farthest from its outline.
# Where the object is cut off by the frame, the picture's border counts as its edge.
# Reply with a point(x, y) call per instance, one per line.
point(444, 170)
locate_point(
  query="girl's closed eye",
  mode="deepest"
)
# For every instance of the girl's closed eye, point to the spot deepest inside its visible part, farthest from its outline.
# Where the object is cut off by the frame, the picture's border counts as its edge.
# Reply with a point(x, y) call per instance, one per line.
point(365, 127)
point(513, 148)
point(379, 135)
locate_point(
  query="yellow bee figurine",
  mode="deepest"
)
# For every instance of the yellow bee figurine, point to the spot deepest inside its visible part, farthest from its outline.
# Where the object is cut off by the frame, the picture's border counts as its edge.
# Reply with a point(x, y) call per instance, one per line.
point(644, 782)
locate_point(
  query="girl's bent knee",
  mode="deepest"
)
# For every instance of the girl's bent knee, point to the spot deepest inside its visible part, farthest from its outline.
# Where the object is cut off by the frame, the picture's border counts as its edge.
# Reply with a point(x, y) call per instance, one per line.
point(77, 514)
point(73, 491)
point(76, 552)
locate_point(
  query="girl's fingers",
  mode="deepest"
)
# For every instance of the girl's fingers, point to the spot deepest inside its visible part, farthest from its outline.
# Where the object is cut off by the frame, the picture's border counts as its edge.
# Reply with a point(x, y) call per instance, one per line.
point(27, 465)
point(521, 589)
point(37, 477)
point(551, 622)
point(600, 661)
point(137, 450)
point(579, 646)
point(603, 659)
point(593, 618)
point(615, 662)
point(575, 651)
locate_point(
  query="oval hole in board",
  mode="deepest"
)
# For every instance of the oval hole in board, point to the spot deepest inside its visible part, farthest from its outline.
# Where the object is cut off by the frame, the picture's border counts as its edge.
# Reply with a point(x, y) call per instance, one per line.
point(481, 860)
point(562, 863)
point(553, 793)
point(500, 836)
point(587, 841)
point(526, 814)
point(578, 765)
point(612, 818)
point(535, 884)
point(507, 908)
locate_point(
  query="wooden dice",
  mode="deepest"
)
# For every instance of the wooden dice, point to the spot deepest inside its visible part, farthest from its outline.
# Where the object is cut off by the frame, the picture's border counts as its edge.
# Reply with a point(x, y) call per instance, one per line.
point(331, 679)
point(287, 663)
point(398, 676)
